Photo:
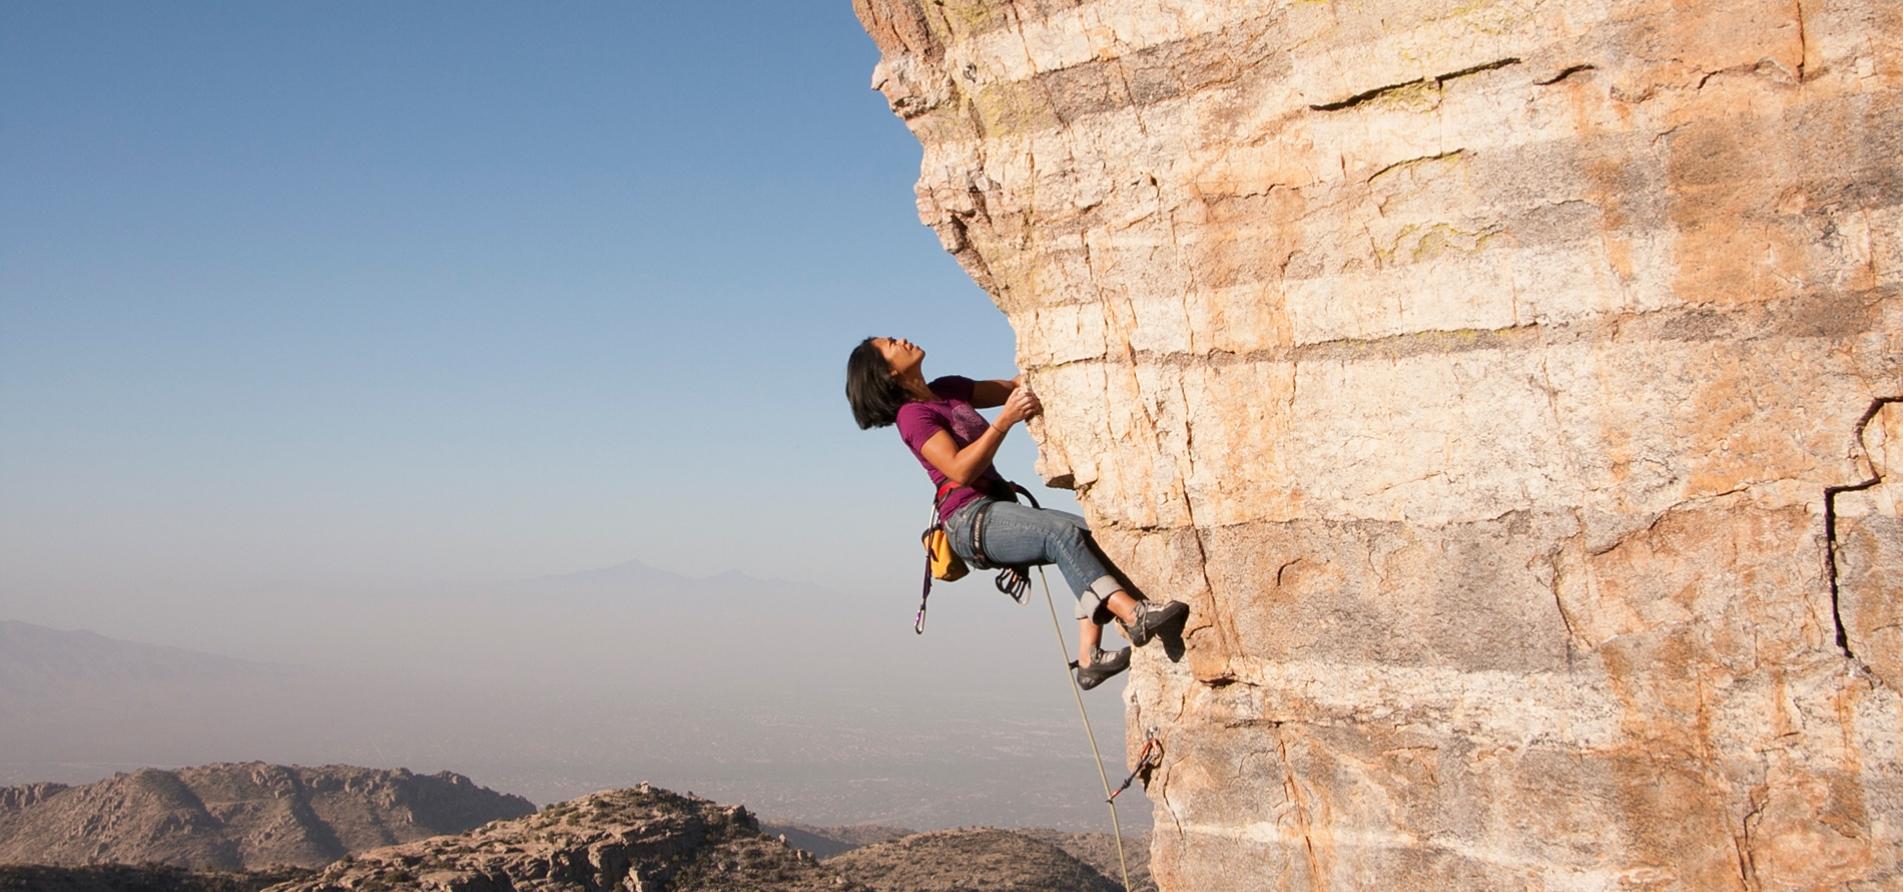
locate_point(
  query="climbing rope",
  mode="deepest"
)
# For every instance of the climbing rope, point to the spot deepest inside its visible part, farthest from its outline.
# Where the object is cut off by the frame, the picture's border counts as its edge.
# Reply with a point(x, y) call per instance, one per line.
point(1063, 654)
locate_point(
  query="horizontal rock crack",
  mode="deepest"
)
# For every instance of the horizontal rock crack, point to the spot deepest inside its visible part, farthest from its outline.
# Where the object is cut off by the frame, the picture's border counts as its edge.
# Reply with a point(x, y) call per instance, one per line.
point(1437, 80)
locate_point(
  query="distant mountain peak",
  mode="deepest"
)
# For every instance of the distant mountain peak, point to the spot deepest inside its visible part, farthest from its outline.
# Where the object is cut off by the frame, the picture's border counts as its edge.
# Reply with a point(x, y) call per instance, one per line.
point(39, 660)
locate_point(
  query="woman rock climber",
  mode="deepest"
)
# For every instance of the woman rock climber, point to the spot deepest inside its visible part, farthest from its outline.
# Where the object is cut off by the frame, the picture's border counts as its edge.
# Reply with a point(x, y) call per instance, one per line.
point(885, 383)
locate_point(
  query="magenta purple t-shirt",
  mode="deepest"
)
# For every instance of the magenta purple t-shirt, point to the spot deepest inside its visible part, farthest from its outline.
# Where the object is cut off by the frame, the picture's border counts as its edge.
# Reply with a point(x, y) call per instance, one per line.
point(952, 413)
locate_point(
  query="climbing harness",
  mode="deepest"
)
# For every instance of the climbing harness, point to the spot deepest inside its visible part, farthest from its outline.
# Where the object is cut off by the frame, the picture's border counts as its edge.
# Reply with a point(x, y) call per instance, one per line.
point(1149, 758)
point(1110, 798)
point(942, 563)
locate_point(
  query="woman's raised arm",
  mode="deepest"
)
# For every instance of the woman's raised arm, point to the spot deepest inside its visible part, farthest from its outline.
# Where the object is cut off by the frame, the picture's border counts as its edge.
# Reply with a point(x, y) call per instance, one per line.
point(990, 394)
point(965, 465)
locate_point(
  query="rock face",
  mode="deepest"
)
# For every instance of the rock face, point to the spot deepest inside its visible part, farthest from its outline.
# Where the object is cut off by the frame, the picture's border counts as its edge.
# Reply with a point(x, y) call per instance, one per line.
point(1503, 384)
point(973, 860)
point(239, 816)
point(642, 840)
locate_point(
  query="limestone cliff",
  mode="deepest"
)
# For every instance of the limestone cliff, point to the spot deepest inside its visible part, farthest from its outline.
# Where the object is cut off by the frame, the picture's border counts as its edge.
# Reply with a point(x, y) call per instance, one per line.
point(1504, 384)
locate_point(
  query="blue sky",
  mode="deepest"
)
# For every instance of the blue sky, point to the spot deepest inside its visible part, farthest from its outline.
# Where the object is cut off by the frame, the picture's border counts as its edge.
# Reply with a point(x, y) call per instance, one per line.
point(349, 296)
point(319, 320)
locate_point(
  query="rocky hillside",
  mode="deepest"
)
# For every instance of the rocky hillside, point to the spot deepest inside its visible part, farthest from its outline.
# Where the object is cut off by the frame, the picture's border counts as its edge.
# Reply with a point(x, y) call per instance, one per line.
point(239, 816)
point(825, 842)
point(977, 860)
point(1099, 850)
point(641, 838)
point(1509, 389)
point(129, 878)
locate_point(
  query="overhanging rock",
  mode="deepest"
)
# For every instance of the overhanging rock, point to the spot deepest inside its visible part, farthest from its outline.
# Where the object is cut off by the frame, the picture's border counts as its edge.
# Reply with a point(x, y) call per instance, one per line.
point(1495, 380)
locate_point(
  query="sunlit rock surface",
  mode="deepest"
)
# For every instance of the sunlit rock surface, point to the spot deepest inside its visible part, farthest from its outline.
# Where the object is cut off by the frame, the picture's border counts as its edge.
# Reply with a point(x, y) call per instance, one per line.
point(1502, 383)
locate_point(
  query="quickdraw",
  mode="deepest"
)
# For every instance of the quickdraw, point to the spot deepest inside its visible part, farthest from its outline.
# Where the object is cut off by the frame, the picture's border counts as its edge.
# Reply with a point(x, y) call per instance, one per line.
point(1015, 582)
point(1149, 758)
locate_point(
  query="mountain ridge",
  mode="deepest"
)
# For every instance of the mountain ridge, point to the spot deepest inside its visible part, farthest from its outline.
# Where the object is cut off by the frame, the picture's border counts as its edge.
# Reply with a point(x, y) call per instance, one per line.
point(239, 815)
point(641, 837)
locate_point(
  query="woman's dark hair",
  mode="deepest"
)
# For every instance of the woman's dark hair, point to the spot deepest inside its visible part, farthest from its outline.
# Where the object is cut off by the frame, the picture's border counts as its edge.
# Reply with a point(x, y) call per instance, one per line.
point(874, 394)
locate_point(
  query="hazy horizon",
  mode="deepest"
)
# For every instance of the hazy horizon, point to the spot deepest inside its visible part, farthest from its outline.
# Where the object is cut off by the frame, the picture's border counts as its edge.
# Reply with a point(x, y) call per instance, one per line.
point(561, 712)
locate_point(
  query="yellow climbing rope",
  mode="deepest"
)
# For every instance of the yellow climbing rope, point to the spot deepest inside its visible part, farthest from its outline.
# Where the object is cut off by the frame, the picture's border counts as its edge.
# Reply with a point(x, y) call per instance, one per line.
point(1063, 654)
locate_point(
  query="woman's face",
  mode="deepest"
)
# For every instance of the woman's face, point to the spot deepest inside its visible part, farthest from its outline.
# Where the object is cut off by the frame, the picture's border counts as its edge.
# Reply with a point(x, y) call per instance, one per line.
point(902, 355)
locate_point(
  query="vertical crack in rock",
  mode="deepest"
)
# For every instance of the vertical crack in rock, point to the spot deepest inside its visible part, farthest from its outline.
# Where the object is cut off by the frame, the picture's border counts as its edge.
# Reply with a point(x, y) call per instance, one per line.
point(1160, 790)
point(1803, 43)
point(1830, 520)
point(1189, 432)
point(1747, 863)
point(1293, 789)
point(1559, 601)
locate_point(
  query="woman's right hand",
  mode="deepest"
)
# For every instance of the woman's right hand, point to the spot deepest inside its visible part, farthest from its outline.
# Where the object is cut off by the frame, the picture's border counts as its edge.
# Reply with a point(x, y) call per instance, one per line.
point(1020, 405)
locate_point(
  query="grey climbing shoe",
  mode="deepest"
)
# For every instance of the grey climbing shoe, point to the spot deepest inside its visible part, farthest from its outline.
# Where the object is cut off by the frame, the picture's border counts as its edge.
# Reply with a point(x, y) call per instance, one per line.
point(1102, 667)
point(1149, 619)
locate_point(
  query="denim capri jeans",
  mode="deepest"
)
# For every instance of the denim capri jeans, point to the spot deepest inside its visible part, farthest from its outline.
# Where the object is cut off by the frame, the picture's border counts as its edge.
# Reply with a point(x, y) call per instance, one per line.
point(1019, 535)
